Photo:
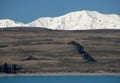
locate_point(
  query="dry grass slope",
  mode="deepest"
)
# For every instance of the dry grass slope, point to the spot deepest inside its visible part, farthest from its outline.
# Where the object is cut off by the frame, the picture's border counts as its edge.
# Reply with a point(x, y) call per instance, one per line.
point(48, 51)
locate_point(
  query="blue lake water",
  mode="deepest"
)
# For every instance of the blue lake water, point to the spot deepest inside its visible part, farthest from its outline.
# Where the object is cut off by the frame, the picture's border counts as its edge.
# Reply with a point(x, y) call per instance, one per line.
point(61, 79)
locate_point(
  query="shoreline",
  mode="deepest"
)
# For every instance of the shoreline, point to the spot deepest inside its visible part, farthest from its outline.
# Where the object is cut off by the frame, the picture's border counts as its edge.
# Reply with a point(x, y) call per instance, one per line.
point(59, 74)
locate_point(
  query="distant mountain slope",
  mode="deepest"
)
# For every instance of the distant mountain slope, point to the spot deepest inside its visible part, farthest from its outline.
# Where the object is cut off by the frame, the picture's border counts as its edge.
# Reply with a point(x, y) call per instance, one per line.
point(79, 20)
point(50, 51)
point(10, 23)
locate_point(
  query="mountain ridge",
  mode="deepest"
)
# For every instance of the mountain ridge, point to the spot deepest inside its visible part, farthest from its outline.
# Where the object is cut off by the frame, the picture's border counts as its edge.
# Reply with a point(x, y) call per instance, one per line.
point(78, 20)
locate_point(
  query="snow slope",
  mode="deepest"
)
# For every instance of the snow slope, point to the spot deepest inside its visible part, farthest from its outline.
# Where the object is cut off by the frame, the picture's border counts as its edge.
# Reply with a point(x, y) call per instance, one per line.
point(79, 20)
point(10, 23)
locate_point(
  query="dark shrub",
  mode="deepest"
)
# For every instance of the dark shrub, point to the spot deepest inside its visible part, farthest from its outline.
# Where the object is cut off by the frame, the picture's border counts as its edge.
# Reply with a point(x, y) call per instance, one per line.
point(81, 50)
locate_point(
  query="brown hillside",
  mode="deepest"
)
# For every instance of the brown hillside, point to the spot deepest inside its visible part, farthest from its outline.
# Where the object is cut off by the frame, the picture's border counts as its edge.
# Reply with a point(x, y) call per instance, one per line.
point(48, 51)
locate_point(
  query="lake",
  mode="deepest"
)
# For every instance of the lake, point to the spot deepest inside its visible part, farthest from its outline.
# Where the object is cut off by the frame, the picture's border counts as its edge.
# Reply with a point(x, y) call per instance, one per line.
point(61, 79)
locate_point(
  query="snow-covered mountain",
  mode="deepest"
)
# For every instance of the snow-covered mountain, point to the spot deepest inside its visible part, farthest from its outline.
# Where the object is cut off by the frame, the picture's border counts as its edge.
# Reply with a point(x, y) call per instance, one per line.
point(10, 23)
point(79, 20)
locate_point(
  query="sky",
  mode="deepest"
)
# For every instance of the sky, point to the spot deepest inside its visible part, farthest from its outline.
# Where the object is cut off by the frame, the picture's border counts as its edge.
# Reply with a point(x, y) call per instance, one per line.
point(28, 10)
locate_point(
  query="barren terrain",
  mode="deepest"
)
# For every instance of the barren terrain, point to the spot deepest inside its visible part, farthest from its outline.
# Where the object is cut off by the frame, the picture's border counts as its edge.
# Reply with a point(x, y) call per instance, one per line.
point(48, 51)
